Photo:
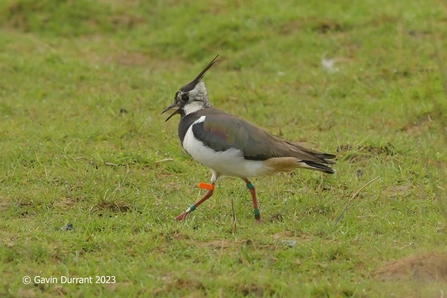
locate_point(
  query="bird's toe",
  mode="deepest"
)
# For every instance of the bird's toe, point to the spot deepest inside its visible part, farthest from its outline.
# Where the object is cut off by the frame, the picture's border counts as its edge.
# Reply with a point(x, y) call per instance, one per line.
point(181, 216)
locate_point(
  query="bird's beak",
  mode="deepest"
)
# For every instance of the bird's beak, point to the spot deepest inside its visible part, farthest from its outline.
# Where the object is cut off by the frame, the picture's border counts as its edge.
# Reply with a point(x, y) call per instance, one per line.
point(174, 105)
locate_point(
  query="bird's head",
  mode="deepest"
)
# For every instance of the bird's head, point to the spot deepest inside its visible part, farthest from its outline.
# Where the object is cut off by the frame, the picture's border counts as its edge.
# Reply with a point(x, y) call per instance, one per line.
point(191, 97)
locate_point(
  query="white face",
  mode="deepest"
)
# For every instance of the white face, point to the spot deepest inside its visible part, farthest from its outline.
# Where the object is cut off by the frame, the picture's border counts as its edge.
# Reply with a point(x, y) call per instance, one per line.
point(199, 92)
point(198, 99)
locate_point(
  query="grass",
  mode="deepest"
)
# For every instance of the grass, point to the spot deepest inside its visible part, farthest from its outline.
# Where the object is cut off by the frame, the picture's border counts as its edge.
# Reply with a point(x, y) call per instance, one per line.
point(82, 143)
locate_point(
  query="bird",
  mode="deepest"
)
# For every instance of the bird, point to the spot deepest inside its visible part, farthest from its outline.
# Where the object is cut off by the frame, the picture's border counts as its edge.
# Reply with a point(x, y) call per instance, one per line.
point(232, 146)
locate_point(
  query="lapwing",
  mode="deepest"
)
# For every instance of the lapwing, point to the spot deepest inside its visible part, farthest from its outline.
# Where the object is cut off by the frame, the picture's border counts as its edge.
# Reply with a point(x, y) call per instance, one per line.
point(232, 146)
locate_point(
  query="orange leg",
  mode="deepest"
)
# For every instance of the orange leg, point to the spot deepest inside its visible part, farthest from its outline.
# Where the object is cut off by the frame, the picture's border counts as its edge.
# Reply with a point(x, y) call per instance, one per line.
point(193, 207)
point(251, 187)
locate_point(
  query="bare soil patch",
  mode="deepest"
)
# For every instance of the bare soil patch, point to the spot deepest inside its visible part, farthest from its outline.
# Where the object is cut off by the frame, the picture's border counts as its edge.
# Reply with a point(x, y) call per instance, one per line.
point(429, 267)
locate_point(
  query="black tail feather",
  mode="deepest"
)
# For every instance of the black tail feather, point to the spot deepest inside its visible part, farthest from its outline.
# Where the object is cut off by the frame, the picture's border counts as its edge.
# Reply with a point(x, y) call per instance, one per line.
point(320, 167)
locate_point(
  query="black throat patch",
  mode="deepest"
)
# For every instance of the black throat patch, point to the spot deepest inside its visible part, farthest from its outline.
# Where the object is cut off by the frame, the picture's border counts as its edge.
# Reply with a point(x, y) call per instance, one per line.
point(185, 123)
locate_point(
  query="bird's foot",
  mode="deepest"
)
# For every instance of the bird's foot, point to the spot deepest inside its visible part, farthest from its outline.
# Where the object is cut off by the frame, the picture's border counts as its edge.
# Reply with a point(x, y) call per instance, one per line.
point(182, 216)
point(259, 221)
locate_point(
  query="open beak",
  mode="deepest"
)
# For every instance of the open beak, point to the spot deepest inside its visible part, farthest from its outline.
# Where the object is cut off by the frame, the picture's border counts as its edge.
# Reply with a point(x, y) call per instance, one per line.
point(173, 106)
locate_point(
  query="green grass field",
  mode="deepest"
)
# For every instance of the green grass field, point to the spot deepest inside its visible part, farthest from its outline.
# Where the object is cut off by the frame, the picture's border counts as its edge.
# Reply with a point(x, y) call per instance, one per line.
point(91, 177)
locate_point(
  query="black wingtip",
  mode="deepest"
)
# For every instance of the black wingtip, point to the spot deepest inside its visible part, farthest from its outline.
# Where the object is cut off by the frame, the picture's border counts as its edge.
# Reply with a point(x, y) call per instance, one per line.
point(324, 158)
point(319, 167)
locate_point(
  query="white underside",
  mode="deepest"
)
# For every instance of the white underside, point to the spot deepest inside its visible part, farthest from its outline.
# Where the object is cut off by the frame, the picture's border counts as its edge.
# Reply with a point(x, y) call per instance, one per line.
point(229, 163)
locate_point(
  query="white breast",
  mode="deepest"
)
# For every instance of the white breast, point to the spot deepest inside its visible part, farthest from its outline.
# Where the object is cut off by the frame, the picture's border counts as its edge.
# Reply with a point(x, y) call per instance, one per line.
point(229, 163)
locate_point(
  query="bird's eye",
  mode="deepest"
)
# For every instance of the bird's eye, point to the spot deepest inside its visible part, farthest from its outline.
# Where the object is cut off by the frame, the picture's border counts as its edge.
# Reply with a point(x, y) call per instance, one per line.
point(185, 97)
